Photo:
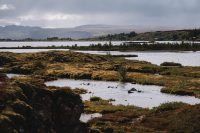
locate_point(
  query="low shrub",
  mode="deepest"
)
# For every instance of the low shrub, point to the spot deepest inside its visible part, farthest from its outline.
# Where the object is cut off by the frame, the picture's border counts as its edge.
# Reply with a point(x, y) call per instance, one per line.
point(170, 64)
point(122, 73)
point(95, 98)
point(168, 107)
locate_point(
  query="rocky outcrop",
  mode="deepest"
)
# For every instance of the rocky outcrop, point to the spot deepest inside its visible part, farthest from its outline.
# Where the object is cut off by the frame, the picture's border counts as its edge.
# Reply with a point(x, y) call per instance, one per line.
point(29, 108)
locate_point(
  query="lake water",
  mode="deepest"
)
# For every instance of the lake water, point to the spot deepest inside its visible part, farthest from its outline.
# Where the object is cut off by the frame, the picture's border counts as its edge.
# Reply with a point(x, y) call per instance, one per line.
point(150, 95)
point(70, 43)
point(186, 58)
point(55, 43)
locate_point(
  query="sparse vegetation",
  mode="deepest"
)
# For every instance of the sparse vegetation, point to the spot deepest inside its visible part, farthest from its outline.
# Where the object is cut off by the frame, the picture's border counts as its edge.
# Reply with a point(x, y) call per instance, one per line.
point(122, 73)
point(167, 107)
point(168, 117)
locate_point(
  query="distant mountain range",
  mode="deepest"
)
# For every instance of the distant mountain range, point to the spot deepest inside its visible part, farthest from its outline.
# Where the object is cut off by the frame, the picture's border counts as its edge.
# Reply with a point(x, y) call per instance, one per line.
point(84, 31)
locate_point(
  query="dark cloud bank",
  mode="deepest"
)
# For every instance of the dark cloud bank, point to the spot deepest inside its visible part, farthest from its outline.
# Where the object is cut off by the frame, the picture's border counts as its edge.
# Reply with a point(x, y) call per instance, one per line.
point(69, 13)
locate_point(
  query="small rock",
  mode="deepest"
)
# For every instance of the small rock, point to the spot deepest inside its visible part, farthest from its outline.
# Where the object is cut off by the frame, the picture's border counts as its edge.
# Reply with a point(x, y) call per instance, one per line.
point(129, 91)
point(139, 91)
point(132, 90)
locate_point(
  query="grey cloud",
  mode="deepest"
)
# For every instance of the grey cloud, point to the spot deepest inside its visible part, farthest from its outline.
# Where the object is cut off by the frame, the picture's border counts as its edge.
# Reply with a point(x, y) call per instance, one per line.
point(118, 12)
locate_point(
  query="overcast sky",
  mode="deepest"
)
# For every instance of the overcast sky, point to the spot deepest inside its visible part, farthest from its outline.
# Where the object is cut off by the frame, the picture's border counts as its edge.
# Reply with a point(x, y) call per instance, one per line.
point(69, 13)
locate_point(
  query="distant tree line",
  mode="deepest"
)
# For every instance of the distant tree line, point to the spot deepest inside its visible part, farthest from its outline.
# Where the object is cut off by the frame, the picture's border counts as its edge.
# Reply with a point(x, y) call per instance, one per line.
point(176, 35)
point(118, 37)
point(126, 46)
point(136, 46)
point(194, 34)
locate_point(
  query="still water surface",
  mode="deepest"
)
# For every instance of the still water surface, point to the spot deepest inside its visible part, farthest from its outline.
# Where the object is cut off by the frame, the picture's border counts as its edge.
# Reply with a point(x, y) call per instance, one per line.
point(186, 58)
point(70, 43)
point(150, 95)
point(55, 43)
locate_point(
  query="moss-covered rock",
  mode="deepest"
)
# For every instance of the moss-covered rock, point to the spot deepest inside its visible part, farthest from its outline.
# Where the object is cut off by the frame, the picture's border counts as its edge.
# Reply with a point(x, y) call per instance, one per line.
point(28, 106)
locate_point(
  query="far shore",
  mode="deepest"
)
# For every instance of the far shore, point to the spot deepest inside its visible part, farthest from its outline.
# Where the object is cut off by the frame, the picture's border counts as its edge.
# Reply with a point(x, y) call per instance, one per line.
point(68, 47)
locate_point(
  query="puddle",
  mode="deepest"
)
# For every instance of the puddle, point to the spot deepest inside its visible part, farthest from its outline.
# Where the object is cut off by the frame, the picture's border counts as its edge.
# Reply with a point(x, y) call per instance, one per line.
point(146, 96)
point(87, 117)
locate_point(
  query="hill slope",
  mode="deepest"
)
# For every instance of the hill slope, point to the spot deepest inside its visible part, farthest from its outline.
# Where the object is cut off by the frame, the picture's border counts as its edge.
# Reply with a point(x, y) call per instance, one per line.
point(84, 31)
point(173, 35)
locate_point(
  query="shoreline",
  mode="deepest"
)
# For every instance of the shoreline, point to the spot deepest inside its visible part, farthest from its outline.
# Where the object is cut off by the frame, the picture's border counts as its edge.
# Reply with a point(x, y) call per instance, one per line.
point(67, 48)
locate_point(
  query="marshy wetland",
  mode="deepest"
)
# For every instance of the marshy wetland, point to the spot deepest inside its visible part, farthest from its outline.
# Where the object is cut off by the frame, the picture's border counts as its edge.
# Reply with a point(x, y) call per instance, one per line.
point(186, 58)
point(130, 95)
